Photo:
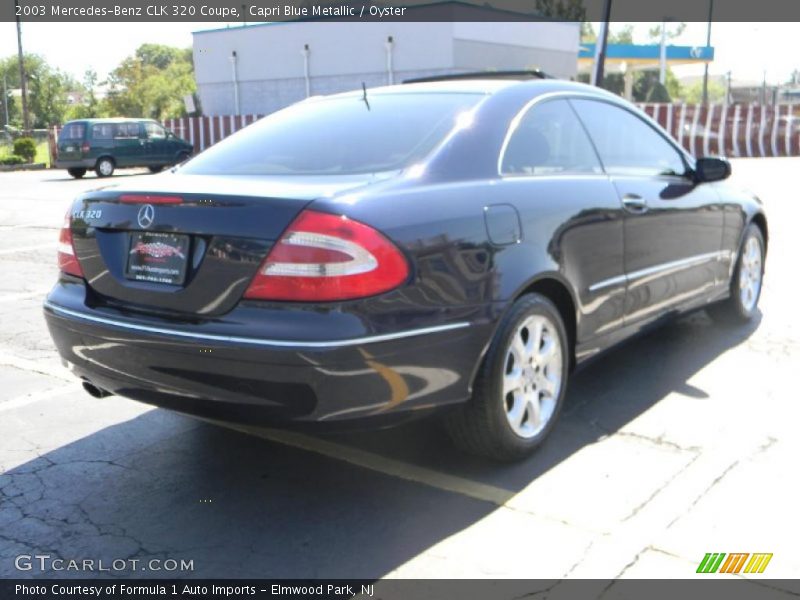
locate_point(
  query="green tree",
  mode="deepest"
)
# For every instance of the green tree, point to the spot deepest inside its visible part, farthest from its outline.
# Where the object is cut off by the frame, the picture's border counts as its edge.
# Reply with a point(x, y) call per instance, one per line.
point(655, 32)
point(693, 94)
point(151, 83)
point(47, 88)
point(624, 35)
point(91, 107)
point(588, 35)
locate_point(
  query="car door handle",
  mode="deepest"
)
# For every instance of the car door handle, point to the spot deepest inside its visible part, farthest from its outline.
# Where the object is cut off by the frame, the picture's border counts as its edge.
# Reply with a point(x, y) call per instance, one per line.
point(634, 203)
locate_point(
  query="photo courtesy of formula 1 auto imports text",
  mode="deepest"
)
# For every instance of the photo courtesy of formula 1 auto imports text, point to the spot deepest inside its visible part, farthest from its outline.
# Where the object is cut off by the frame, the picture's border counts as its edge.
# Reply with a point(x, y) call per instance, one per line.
point(399, 299)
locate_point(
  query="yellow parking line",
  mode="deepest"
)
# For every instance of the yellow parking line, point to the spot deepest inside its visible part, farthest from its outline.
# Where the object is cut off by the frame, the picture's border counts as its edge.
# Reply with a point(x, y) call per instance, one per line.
point(23, 401)
point(35, 366)
point(23, 296)
point(376, 462)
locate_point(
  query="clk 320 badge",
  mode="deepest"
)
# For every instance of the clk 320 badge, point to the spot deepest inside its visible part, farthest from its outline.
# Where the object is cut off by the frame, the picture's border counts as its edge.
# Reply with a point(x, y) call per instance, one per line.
point(87, 215)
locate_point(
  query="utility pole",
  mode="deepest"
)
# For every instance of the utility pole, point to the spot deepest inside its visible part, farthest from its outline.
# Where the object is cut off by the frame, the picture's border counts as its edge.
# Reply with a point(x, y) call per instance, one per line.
point(662, 62)
point(25, 120)
point(708, 43)
point(5, 99)
point(601, 46)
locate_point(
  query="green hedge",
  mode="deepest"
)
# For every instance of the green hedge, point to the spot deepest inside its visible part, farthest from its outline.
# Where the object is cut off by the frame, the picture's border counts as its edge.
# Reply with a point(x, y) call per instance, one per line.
point(26, 148)
point(12, 160)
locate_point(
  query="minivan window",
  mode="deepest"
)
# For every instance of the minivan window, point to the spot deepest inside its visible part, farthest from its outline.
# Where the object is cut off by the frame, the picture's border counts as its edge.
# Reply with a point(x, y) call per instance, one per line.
point(102, 131)
point(154, 130)
point(127, 130)
point(627, 145)
point(549, 140)
point(72, 131)
point(339, 136)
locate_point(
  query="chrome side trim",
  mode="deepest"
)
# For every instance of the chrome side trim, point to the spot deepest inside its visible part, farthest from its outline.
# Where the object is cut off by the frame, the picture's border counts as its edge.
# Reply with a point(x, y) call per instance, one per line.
point(674, 265)
point(209, 337)
point(611, 281)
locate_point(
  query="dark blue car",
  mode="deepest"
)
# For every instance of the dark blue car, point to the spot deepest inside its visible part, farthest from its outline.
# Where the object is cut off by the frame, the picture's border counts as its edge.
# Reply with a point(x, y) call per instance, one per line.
point(361, 259)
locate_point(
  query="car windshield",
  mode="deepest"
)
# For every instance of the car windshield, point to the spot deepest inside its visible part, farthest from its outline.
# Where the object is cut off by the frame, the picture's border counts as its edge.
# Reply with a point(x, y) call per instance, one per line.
point(339, 136)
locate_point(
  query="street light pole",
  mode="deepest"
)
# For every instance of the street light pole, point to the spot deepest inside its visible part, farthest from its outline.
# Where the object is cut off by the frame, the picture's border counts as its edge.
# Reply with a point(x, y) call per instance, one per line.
point(708, 43)
point(25, 121)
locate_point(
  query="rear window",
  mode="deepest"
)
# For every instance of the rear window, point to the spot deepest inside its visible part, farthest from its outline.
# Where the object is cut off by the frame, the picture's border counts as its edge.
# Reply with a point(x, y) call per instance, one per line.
point(72, 131)
point(339, 136)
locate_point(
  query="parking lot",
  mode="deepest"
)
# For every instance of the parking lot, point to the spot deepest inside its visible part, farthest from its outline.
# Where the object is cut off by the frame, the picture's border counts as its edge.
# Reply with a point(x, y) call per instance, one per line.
point(679, 443)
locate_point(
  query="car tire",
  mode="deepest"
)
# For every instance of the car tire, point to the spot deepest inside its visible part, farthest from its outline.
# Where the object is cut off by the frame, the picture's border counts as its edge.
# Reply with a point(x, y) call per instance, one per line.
point(155, 168)
point(77, 172)
point(520, 386)
point(746, 282)
point(105, 167)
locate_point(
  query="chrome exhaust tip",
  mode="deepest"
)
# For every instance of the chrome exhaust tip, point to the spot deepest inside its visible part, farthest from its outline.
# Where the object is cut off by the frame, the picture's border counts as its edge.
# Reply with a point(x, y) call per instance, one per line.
point(95, 391)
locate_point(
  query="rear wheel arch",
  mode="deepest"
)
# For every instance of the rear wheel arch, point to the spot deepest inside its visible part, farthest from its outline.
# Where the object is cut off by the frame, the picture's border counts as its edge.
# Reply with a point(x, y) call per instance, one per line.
point(552, 287)
point(760, 221)
point(559, 293)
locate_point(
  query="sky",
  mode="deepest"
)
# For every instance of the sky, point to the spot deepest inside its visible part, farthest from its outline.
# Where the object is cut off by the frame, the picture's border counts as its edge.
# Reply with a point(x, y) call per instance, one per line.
point(745, 49)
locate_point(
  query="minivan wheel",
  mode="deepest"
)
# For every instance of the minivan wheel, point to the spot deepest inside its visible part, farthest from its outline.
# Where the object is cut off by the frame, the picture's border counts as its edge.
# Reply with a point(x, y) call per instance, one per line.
point(104, 167)
point(77, 172)
point(156, 168)
point(520, 387)
point(746, 283)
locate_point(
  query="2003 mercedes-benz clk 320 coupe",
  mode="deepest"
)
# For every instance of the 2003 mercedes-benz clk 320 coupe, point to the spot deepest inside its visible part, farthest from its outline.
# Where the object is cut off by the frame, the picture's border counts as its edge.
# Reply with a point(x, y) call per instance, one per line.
point(362, 258)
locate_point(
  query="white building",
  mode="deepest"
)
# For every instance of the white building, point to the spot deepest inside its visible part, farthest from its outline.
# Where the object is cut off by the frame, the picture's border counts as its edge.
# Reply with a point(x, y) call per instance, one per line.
point(264, 67)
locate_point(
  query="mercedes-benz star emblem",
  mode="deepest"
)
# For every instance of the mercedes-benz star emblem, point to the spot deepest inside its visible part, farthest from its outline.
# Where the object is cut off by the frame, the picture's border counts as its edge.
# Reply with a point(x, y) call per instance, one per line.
point(146, 215)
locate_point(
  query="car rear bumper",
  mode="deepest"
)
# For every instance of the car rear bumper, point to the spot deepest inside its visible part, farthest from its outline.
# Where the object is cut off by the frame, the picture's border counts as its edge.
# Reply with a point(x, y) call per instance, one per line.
point(334, 380)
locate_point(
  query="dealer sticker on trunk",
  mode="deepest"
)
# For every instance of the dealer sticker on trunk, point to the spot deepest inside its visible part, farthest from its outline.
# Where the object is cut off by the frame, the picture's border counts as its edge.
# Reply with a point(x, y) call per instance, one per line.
point(158, 257)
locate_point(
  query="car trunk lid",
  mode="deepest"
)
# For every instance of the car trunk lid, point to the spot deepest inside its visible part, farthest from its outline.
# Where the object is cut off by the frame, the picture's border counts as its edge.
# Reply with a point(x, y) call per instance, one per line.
point(187, 244)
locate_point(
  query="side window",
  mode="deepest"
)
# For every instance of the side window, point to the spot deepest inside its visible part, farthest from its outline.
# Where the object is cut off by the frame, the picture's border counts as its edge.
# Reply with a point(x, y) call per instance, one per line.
point(627, 145)
point(102, 131)
point(155, 131)
point(127, 130)
point(548, 140)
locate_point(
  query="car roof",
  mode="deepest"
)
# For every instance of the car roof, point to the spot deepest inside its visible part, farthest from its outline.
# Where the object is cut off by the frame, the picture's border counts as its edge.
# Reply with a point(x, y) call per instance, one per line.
point(484, 86)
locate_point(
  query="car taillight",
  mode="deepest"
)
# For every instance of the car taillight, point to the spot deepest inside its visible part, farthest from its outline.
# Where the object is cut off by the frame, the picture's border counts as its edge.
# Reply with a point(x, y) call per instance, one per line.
point(67, 261)
point(85, 147)
point(324, 257)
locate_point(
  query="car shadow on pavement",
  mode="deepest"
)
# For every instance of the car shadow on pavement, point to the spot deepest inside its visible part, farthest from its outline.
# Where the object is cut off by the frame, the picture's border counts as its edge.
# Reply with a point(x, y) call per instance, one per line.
point(164, 486)
point(603, 397)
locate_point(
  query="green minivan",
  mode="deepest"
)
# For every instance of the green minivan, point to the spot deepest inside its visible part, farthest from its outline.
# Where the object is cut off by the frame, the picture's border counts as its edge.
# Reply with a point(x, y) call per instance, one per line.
point(105, 144)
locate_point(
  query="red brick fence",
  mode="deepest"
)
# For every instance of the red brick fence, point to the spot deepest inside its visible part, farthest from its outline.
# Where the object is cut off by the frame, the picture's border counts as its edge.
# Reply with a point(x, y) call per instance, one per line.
point(750, 130)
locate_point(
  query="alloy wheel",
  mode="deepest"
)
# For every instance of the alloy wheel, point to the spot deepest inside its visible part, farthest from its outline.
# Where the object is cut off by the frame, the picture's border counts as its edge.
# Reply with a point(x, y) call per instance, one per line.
point(750, 273)
point(532, 377)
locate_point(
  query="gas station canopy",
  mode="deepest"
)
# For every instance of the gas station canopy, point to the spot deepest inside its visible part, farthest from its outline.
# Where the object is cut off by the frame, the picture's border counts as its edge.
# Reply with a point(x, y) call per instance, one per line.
point(622, 57)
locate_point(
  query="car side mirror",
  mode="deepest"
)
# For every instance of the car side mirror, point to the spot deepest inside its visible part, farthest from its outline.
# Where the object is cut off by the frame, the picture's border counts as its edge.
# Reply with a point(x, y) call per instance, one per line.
point(711, 168)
